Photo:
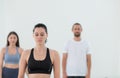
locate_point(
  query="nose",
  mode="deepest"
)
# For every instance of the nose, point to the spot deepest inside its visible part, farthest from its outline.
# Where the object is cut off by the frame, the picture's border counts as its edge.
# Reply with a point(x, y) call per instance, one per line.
point(77, 30)
point(40, 37)
point(13, 40)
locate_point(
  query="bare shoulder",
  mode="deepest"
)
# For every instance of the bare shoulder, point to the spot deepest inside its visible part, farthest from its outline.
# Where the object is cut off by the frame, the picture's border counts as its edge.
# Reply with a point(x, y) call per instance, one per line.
point(3, 50)
point(54, 55)
point(20, 50)
point(26, 54)
point(53, 52)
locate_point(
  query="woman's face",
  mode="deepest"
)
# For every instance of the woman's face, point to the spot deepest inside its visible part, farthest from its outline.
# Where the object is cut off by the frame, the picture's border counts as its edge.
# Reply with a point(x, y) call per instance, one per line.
point(40, 35)
point(12, 39)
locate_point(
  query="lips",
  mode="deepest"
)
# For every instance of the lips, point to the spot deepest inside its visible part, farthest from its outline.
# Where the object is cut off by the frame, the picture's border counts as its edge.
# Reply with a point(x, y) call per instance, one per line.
point(13, 41)
point(40, 40)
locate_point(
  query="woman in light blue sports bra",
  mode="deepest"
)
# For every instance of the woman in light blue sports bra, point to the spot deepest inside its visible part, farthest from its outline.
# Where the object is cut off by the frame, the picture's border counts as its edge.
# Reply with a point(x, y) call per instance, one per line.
point(10, 56)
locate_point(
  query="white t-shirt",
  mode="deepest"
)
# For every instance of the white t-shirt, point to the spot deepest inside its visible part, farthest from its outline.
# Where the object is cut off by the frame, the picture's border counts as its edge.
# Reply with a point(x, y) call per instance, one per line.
point(76, 61)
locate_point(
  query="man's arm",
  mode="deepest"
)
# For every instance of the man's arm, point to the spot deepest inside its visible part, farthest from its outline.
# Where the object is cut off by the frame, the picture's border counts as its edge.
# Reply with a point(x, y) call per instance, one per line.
point(88, 65)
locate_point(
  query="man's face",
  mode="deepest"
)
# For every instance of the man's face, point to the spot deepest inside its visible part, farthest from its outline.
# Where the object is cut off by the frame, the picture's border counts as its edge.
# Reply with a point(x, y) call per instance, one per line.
point(77, 30)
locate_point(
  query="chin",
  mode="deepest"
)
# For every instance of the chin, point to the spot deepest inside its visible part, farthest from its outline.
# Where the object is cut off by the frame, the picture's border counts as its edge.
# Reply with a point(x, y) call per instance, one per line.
point(40, 43)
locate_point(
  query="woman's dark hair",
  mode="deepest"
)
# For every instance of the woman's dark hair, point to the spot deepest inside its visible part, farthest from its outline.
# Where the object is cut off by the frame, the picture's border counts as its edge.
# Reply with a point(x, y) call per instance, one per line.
point(14, 33)
point(40, 25)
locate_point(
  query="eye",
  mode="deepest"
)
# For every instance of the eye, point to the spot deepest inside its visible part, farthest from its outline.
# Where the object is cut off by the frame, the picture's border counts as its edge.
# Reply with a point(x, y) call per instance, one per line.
point(36, 34)
point(10, 37)
point(75, 28)
point(41, 34)
point(15, 38)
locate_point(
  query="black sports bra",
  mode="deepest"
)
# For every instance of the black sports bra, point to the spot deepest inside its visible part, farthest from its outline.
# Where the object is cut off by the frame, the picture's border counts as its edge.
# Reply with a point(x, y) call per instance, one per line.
point(37, 66)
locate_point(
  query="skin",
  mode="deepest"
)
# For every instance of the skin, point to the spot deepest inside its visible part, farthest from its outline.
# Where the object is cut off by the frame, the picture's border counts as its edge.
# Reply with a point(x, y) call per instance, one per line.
point(77, 29)
point(40, 36)
point(11, 50)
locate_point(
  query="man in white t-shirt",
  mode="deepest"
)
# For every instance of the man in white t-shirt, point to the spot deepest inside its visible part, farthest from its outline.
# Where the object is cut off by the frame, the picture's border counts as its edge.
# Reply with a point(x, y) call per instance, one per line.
point(76, 61)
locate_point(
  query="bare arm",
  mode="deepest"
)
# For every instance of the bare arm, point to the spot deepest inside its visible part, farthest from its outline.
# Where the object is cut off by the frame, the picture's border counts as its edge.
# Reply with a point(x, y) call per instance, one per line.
point(88, 65)
point(56, 64)
point(20, 51)
point(64, 61)
point(1, 61)
point(22, 65)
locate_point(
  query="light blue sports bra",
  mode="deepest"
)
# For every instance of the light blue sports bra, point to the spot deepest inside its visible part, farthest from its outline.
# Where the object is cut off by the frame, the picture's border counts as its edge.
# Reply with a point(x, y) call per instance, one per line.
point(10, 58)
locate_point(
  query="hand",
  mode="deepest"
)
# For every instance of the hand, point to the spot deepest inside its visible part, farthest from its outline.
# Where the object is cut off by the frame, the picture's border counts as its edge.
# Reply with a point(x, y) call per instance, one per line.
point(87, 76)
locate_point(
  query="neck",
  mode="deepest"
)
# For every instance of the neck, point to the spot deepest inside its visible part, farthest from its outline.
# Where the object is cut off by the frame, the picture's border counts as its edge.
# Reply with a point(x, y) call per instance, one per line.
point(12, 46)
point(40, 47)
point(77, 38)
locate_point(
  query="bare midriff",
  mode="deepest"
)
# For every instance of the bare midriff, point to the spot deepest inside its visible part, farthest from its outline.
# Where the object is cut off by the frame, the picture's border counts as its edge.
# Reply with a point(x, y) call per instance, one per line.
point(38, 75)
point(11, 66)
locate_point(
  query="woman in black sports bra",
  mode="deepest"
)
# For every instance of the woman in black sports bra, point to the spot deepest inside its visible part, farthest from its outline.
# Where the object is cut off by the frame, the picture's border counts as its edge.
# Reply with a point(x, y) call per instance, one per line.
point(40, 60)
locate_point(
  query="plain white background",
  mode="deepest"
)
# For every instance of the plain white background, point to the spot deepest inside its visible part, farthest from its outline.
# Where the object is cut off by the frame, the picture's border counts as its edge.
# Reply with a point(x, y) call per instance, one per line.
point(99, 18)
